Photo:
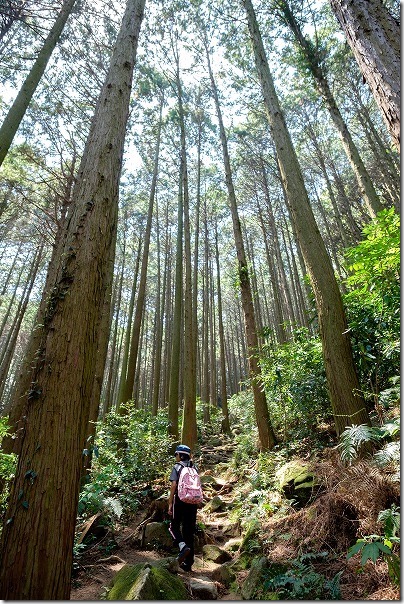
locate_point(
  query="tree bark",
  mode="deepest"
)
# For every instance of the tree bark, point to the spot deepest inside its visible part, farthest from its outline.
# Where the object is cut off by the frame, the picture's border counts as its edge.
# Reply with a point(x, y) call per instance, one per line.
point(189, 428)
point(134, 344)
point(374, 37)
point(174, 377)
point(223, 381)
point(38, 534)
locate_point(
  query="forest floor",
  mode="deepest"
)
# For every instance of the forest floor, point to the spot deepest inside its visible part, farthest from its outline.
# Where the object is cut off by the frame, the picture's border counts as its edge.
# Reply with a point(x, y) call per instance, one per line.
point(95, 571)
point(98, 564)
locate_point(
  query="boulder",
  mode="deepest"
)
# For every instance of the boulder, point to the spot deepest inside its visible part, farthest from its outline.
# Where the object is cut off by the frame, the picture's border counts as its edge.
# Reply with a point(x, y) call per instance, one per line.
point(146, 582)
point(214, 504)
point(215, 554)
point(203, 588)
point(224, 574)
point(207, 479)
point(171, 564)
point(156, 535)
point(296, 480)
point(254, 578)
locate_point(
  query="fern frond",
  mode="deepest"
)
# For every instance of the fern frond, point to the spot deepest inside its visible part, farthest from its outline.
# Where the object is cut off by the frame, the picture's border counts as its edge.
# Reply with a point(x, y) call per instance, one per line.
point(392, 428)
point(353, 437)
point(113, 505)
point(389, 454)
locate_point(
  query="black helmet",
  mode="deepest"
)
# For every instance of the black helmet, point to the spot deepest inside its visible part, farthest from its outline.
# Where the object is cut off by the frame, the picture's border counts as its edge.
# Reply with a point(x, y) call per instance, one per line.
point(183, 449)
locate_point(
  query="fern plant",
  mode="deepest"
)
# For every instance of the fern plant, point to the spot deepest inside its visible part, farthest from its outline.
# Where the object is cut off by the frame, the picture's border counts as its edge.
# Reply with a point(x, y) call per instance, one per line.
point(353, 438)
point(302, 582)
point(373, 547)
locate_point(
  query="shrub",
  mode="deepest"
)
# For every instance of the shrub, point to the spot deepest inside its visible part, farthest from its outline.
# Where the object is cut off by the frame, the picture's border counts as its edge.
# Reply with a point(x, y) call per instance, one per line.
point(295, 382)
point(132, 450)
point(302, 582)
point(373, 547)
point(373, 301)
point(8, 463)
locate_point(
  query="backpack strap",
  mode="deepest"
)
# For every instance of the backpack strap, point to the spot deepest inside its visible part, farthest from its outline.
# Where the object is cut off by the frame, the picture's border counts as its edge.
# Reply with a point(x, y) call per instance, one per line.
point(183, 465)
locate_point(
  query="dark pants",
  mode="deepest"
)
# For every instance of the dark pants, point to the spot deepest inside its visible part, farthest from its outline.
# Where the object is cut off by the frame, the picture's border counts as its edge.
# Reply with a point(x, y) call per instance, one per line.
point(182, 525)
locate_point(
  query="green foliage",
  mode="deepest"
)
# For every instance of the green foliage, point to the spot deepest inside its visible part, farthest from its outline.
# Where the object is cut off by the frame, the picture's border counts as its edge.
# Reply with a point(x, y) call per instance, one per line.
point(215, 425)
point(373, 547)
point(373, 300)
point(353, 438)
point(132, 451)
point(295, 382)
point(244, 425)
point(302, 582)
point(8, 462)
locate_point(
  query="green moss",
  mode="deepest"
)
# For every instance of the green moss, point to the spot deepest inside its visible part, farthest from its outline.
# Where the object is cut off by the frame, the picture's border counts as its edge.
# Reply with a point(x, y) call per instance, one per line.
point(123, 580)
point(146, 582)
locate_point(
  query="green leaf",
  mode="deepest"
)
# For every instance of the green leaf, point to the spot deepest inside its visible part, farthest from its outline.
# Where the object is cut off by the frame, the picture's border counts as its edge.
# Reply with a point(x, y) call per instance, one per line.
point(370, 552)
point(384, 548)
point(355, 549)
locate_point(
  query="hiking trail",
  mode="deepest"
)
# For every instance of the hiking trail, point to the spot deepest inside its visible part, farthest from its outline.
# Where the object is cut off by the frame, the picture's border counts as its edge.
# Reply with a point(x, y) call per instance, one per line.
point(95, 571)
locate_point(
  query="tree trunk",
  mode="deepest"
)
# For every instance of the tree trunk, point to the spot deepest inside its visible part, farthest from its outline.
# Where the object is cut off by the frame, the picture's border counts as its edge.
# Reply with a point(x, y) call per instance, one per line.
point(38, 534)
point(347, 403)
point(189, 428)
point(160, 297)
point(174, 390)
point(374, 37)
point(15, 328)
point(223, 381)
point(134, 344)
point(18, 108)
point(126, 344)
point(265, 430)
point(317, 71)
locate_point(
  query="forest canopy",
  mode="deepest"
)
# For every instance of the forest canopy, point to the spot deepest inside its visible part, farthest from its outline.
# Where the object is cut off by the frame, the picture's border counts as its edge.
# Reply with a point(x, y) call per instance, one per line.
point(199, 205)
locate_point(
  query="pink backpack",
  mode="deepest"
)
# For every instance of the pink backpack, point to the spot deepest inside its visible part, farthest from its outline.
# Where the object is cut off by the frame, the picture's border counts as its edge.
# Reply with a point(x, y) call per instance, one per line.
point(189, 485)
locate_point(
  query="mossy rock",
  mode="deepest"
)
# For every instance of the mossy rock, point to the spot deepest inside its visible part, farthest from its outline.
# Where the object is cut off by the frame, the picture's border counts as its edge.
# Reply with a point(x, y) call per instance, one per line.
point(215, 554)
point(294, 471)
point(296, 480)
point(241, 562)
point(251, 542)
point(145, 582)
point(216, 503)
point(224, 574)
point(156, 535)
point(253, 581)
point(207, 479)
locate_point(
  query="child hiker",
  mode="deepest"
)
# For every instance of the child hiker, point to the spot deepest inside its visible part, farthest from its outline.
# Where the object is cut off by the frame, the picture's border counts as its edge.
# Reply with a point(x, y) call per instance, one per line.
point(183, 515)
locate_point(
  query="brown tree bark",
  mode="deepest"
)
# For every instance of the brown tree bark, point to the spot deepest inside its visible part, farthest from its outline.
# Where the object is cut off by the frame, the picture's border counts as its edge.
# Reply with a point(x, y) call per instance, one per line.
point(265, 430)
point(374, 37)
point(127, 390)
point(37, 539)
point(223, 381)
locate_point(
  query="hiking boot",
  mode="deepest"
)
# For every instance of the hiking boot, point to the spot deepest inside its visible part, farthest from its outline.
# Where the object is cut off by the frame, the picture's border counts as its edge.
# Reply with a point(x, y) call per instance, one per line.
point(183, 554)
point(186, 567)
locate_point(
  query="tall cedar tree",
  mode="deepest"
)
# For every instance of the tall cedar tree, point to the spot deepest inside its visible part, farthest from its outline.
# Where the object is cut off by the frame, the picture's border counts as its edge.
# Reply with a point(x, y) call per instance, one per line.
point(37, 539)
point(265, 430)
point(314, 63)
point(343, 384)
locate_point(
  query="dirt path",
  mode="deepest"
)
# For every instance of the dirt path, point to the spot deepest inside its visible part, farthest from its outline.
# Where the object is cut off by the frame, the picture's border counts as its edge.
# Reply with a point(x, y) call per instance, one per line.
point(96, 571)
